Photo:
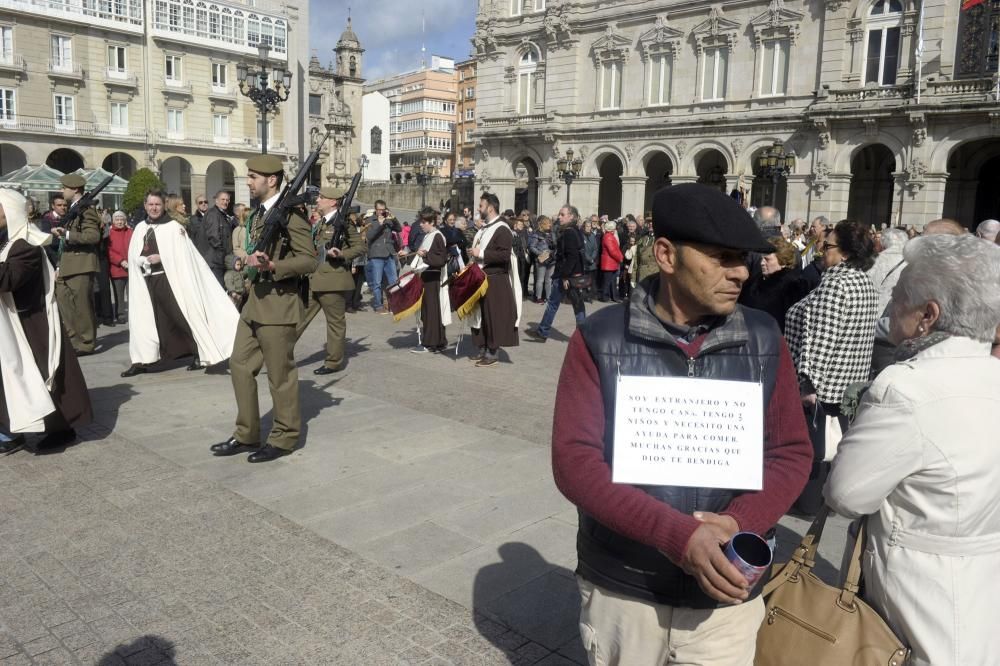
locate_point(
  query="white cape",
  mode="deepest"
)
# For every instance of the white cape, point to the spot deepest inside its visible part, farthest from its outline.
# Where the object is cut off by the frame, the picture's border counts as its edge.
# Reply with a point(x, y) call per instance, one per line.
point(419, 266)
point(482, 241)
point(26, 393)
point(207, 309)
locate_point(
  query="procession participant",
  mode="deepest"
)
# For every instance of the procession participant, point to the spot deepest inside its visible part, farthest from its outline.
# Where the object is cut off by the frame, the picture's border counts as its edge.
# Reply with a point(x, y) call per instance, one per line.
point(496, 317)
point(42, 387)
point(435, 308)
point(177, 308)
point(332, 283)
point(78, 267)
point(265, 335)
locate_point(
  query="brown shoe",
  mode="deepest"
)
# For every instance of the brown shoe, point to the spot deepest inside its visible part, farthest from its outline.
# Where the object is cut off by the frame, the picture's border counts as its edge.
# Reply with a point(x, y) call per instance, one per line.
point(487, 362)
point(384, 310)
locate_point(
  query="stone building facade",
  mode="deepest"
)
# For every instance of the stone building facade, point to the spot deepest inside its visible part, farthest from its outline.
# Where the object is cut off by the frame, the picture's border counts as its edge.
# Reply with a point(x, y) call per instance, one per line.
point(138, 83)
point(465, 144)
point(655, 92)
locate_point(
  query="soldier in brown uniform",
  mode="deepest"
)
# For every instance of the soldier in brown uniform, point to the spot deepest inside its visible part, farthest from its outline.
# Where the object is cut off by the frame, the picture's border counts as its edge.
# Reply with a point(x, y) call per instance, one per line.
point(266, 331)
point(332, 283)
point(78, 268)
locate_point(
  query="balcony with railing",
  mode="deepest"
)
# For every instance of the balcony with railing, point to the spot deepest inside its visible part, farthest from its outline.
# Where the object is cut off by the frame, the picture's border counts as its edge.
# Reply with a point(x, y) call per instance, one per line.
point(175, 87)
point(121, 15)
point(514, 120)
point(120, 78)
point(13, 63)
point(61, 69)
point(69, 126)
point(228, 26)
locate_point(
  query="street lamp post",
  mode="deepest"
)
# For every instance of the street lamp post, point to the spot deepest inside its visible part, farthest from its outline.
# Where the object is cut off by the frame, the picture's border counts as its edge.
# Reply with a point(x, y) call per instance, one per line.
point(774, 163)
point(256, 84)
point(569, 170)
point(362, 164)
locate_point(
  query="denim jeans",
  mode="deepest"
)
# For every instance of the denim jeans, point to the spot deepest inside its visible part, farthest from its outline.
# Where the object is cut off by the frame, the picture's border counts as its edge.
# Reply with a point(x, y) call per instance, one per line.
point(609, 288)
point(543, 279)
point(374, 270)
point(552, 306)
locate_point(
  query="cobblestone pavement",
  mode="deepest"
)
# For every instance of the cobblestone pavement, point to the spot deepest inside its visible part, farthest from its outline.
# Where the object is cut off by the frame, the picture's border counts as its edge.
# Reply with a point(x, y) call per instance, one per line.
point(418, 524)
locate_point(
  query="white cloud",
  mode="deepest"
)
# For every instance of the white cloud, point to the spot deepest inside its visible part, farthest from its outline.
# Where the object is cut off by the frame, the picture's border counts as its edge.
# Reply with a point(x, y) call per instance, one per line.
point(390, 30)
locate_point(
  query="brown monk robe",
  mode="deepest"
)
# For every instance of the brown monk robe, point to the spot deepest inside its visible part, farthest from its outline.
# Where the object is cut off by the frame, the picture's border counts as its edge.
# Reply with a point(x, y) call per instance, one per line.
point(176, 340)
point(499, 327)
point(430, 308)
point(22, 276)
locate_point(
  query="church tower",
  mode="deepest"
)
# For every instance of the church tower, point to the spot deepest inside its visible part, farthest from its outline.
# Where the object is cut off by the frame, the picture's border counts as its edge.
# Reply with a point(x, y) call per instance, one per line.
point(349, 54)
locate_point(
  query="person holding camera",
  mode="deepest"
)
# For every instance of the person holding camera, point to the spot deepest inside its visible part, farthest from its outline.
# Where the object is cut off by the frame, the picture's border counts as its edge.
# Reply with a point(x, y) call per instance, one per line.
point(381, 253)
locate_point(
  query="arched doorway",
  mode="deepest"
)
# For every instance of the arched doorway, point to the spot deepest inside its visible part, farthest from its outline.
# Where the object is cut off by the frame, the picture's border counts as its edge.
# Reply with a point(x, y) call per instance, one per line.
point(12, 158)
point(970, 194)
point(221, 176)
point(712, 167)
point(65, 160)
point(122, 164)
point(658, 170)
point(872, 187)
point(176, 175)
point(609, 195)
point(526, 185)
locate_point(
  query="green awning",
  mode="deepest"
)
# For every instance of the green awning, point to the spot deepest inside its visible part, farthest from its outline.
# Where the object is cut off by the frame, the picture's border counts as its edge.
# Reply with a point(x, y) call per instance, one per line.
point(35, 179)
point(95, 176)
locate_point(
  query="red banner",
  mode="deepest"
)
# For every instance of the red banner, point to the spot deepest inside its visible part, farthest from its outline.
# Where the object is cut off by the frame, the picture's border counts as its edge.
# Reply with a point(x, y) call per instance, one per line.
point(969, 4)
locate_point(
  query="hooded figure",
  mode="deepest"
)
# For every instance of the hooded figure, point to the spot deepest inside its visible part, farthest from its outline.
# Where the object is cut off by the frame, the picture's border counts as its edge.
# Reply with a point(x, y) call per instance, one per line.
point(43, 389)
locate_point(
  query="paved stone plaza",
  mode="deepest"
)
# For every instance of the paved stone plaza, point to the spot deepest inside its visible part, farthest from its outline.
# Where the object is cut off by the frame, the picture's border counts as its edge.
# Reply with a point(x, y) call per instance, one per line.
point(418, 523)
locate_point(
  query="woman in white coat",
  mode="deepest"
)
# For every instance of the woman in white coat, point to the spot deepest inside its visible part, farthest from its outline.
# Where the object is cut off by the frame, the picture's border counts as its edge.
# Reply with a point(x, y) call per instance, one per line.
point(922, 459)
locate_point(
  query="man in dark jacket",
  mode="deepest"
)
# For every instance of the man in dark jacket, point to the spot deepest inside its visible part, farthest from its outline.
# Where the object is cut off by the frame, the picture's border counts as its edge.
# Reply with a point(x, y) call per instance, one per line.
point(214, 238)
point(654, 581)
point(569, 263)
point(381, 253)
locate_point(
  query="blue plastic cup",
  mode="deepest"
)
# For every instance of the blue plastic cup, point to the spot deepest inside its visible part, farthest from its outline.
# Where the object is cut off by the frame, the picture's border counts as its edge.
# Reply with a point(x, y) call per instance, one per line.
point(750, 554)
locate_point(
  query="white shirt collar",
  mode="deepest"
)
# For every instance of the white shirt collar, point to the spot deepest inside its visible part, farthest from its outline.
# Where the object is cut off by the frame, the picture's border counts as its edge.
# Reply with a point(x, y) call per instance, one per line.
point(270, 202)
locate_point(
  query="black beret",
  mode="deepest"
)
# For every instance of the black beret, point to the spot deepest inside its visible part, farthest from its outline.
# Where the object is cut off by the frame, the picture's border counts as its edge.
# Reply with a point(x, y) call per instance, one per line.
point(696, 213)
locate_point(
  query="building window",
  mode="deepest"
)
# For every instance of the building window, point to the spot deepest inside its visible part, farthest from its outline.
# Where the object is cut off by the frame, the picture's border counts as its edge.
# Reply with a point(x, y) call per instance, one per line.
point(611, 84)
point(117, 61)
point(8, 112)
point(526, 81)
point(774, 68)
point(315, 105)
point(220, 127)
point(376, 141)
point(882, 49)
point(175, 123)
point(468, 136)
point(64, 114)
point(219, 76)
point(714, 74)
point(470, 114)
point(352, 67)
point(172, 69)
point(270, 132)
point(119, 118)
point(470, 93)
point(6, 43)
point(62, 53)
point(659, 78)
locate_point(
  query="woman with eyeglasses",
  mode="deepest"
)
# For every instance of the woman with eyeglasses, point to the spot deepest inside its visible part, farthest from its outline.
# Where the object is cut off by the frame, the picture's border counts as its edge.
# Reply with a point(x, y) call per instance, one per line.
point(831, 334)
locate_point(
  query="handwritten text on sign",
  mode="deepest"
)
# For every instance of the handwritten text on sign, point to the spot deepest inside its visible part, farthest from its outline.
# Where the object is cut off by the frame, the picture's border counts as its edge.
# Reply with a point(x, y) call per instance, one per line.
point(679, 431)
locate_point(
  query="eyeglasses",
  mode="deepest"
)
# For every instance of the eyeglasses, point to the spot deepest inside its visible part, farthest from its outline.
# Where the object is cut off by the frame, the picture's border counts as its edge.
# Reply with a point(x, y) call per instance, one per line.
point(827, 246)
point(202, 203)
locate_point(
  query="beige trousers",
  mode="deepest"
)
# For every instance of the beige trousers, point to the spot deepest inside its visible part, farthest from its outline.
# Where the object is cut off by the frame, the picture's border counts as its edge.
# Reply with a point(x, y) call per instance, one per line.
point(274, 346)
point(75, 299)
point(334, 306)
point(621, 630)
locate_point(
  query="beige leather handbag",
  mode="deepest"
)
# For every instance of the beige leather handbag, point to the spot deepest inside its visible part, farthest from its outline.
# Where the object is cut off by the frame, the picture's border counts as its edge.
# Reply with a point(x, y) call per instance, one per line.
point(810, 622)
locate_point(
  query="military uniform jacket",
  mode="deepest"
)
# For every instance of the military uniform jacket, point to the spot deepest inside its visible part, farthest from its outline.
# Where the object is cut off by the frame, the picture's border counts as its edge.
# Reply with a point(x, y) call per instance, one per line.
point(274, 297)
point(79, 254)
point(335, 274)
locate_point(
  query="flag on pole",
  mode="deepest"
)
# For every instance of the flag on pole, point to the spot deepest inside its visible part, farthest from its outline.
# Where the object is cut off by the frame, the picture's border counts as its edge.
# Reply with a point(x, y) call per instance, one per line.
point(969, 4)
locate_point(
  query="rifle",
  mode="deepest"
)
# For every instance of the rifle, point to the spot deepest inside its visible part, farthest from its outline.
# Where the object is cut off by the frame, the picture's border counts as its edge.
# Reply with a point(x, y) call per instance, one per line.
point(276, 220)
point(76, 210)
point(339, 228)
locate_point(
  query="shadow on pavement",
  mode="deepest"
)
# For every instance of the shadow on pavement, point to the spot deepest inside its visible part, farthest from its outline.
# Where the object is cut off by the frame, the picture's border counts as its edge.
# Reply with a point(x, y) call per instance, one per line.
point(111, 340)
point(545, 608)
point(789, 540)
point(313, 399)
point(107, 401)
point(404, 339)
point(352, 348)
point(148, 649)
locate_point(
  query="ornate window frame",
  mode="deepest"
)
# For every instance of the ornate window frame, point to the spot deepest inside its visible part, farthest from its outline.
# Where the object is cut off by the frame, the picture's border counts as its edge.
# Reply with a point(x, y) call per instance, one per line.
point(776, 24)
point(716, 31)
point(661, 41)
point(609, 49)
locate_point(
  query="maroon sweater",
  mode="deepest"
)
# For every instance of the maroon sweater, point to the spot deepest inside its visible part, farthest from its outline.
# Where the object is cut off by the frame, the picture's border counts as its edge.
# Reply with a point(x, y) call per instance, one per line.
point(583, 476)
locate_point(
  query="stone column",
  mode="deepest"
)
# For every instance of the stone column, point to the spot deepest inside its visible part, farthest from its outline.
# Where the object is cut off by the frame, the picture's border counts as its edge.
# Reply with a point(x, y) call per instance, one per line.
point(918, 207)
point(831, 201)
point(680, 180)
point(198, 184)
point(504, 189)
point(797, 197)
point(242, 194)
point(585, 194)
point(633, 194)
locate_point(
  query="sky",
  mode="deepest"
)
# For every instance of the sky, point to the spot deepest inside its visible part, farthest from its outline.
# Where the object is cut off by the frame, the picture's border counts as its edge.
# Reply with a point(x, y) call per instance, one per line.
point(390, 31)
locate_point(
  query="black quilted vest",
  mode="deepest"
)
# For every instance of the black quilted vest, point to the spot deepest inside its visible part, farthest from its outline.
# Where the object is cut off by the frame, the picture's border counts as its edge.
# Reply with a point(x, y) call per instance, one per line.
point(630, 340)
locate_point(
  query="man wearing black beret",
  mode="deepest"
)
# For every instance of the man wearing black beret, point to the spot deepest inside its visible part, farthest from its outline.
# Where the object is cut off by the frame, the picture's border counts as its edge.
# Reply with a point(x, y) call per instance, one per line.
point(656, 587)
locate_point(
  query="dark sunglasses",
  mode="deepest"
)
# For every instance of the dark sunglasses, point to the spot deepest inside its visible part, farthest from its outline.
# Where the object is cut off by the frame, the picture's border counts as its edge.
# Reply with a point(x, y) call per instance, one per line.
point(827, 246)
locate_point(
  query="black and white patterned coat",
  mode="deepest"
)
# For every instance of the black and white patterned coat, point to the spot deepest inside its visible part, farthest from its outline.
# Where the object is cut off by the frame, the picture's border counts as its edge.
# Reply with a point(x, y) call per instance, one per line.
point(831, 332)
